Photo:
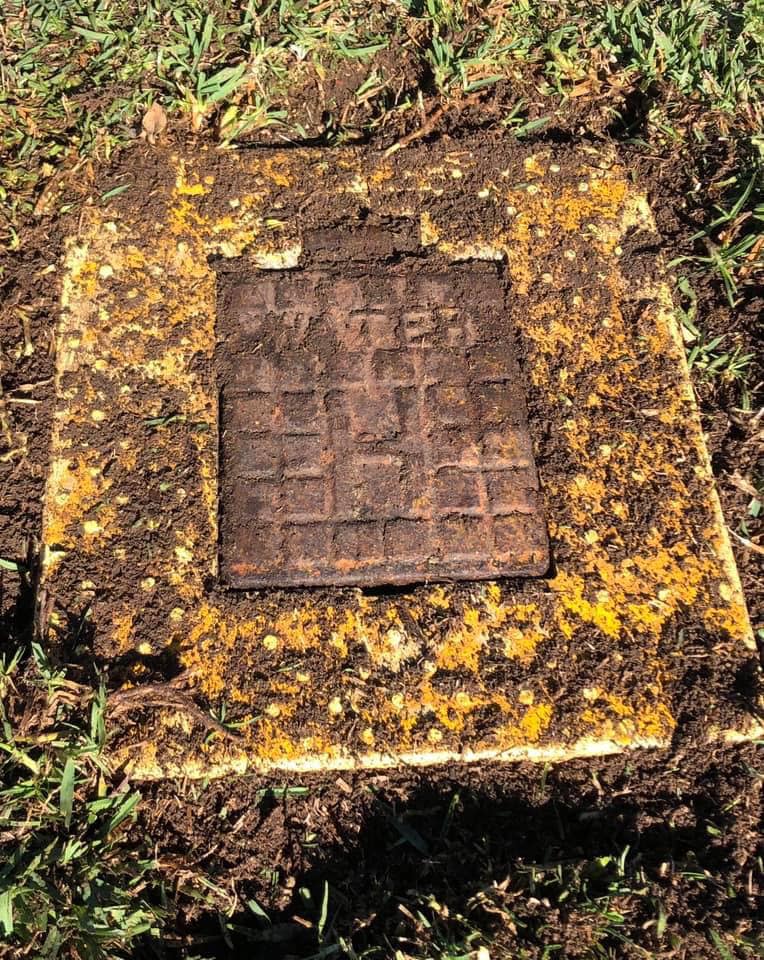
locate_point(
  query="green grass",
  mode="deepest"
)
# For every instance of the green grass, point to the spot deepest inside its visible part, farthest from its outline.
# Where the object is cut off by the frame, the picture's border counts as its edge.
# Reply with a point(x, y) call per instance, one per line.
point(77, 882)
point(732, 253)
point(71, 884)
point(614, 901)
point(709, 50)
point(707, 357)
point(77, 75)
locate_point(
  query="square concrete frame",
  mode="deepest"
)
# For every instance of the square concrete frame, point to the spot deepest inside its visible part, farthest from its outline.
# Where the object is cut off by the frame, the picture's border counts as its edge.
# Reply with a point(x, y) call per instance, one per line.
point(580, 664)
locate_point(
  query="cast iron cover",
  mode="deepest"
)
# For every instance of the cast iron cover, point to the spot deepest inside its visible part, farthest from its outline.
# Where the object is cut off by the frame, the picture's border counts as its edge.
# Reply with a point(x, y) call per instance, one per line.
point(374, 429)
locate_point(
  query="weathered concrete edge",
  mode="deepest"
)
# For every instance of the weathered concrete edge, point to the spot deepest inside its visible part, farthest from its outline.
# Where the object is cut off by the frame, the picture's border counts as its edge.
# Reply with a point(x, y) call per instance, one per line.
point(243, 764)
point(662, 295)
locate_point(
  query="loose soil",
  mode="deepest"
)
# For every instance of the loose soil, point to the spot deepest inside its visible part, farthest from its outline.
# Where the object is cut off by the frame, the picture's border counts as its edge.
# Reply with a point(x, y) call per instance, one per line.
point(690, 809)
point(495, 845)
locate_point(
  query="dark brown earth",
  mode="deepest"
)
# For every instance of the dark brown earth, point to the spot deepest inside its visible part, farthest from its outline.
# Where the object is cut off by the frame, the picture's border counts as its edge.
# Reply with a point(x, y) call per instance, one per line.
point(497, 845)
point(497, 848)
point(27, 317)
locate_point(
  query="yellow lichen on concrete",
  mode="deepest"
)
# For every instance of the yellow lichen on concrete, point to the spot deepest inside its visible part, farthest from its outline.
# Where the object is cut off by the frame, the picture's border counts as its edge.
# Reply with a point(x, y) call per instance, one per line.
point(364, 680)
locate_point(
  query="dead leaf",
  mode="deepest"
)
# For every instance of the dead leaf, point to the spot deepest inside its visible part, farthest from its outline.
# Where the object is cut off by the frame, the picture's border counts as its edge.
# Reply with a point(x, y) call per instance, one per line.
point(744, 485)
point(154, 123)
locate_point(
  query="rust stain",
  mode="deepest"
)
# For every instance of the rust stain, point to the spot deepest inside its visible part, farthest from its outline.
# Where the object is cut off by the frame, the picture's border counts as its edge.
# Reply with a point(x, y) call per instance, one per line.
point(374, 430)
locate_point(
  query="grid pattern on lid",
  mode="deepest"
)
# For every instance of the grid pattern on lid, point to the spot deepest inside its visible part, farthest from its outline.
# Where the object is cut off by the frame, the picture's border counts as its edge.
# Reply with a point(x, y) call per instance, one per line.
point(374, 430)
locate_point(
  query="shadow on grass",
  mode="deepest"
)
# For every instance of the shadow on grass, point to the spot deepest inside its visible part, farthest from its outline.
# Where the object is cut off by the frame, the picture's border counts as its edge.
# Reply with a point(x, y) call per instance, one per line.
point(607, 858)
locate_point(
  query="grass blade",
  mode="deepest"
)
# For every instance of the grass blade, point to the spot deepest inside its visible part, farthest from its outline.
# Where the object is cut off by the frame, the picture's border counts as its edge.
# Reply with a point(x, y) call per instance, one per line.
point(123, 812)
point(6, 912)
point(66, 794)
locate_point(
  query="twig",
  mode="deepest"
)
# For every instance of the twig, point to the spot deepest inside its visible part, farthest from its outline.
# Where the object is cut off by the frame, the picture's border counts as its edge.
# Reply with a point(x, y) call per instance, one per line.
point(747, 544)
point(162, 695)
point(431, 122)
